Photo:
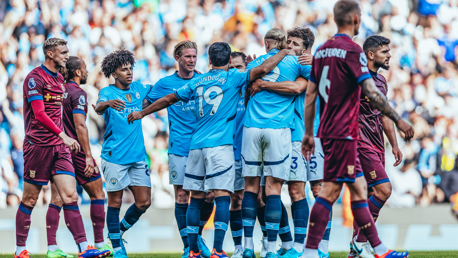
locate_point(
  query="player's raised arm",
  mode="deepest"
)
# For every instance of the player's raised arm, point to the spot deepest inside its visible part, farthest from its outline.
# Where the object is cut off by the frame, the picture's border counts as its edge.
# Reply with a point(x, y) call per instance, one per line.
point(285, 87)
point(308, 142)
point(161, 103)
point(269, 64)
point(379, 101)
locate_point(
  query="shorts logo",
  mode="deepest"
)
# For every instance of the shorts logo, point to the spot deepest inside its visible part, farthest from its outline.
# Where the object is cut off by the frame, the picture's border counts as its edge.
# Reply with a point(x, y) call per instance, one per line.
point(137, 95)
point(32, 173)
point(31, 83)
point(113, 181)
point(373, 174)
point(82, 100)
point(351, 170)
point(173, 175)
point(363, 59)
point(129, 97)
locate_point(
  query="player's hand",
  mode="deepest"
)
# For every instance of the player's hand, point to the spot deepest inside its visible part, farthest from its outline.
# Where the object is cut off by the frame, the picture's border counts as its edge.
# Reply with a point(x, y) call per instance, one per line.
point(256, 87)
point(90, 168)
point(249, 58)
point(397, 155)
point(116, 104)
point(93, 106)
point(305, 59)
point(70, 142)
point(308, 146)
point(289, 52)
point(137, 115)
point(407, 129)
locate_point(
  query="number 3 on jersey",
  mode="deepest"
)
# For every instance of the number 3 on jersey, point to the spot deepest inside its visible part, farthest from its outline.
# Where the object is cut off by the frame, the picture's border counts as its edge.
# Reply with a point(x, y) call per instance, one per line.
point(215, 101)
point(324, 83)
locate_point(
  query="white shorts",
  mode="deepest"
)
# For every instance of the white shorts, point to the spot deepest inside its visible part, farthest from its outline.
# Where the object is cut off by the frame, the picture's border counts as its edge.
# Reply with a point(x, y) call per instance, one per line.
point(298, 168)
point(266, 152)
point(239, 182)
point(316, 164)
point(118, 177)
point(210, 169)
point(177, 167)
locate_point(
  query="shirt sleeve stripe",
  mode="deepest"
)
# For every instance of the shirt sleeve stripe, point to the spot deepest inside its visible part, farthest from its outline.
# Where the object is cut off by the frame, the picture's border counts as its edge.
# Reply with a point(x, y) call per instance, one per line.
point(312, 79)
point(178, 95)
point(364, 77)
point(248, 79)
point(78, 111)
point(37, 97)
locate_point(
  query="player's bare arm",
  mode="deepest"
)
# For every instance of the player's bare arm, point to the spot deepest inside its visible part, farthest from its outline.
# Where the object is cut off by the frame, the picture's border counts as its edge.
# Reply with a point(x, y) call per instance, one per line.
point(379, 101)
point(285, 87)
point(388, 128)
point(161, 103)
point(308, 142)
point(115, 104)
point(269, 64)
point(83, 137)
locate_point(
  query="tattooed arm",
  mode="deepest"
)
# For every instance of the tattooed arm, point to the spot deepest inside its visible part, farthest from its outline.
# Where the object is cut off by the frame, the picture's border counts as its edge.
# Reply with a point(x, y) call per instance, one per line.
point(379, 101)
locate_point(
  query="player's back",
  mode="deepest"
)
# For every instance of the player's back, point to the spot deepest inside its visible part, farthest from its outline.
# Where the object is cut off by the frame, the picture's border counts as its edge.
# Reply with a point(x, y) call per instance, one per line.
point(299, 105)
point(268, 109)
point(123, 143)
point(216, 94)
point(74, 102)
point(42, 84)
point(181, 116)
point(339, 65)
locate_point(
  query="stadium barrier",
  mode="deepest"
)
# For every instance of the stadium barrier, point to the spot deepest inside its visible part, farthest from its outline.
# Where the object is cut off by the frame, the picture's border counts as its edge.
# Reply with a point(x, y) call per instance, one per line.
point(431, 228)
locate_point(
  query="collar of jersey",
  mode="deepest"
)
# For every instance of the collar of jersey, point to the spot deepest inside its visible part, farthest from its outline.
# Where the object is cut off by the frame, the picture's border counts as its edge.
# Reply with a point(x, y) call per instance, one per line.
point(119, 88)
point(76, 84)
point(216, 70)
point(48, 71)
point(373, 73)
point(342, 35)
point(176, 74)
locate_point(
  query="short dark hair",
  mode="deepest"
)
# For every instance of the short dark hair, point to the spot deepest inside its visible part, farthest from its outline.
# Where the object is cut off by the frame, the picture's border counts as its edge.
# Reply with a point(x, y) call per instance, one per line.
point(373, 42)
point(116, 59)
point(305, 34)
point(73, 63)
point(237, 54)
point(343, 11)
point(220, 53)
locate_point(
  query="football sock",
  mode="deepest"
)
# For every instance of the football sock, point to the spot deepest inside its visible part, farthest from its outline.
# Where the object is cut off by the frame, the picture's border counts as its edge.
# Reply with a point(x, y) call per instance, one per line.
point(375, 205)
point(273, 218)
point(52, 248)
point(249, 217)
point(192, 220)
point(324, 243)
point(19, 249)
point(74, 222)
point(221, 221)
point(205, 214)
point(98, 220)
point(52, 223)
point(82, 246)
point(180, 217)
point(365, 222)
point(114, 227)
point(300, 210)
point(285, 232)
point(236, 226)
point(22, 224)
point(262, 220)
point(319, 218)
point(310, 253)
point(130, 218)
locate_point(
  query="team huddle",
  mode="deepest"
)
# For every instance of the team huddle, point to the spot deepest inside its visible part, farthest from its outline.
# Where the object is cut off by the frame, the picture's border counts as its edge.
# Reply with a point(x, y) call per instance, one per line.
point(238, 133)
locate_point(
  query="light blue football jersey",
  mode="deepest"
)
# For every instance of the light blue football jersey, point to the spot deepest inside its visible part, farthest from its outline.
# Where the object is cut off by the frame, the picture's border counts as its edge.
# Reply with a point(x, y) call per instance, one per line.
point(123, 142)
point(216, 94)
point(316, 123)
point(181, 117)
point(268, 109)
point(299, 104)
point(239, 119)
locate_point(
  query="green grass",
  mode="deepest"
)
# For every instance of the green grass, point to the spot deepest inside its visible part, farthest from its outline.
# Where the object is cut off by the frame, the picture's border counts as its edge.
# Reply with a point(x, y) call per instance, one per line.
point(423, 254)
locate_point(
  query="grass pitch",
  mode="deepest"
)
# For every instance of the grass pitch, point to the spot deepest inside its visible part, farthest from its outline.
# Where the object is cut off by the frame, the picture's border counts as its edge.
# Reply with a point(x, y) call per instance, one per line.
point(423, 254)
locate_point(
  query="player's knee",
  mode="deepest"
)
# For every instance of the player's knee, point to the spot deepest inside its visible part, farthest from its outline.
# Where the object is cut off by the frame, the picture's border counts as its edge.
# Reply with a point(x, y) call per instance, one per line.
point(56, 200)
point(236, 201)
point(30, 200)
point(143, 205)
point(384, 192)
point(182, 196)
point(296, 193)
point(69, 197)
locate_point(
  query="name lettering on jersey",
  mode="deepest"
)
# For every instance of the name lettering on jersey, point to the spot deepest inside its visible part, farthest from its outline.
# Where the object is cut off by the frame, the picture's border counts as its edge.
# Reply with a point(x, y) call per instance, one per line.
point(211, 78)
point(331, 52)
point(260, 61)
point(48, 97)
point(129, 97)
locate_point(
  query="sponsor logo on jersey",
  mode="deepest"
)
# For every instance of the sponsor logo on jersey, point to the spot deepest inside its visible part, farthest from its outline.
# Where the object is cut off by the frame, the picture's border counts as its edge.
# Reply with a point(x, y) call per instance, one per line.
point(351, 169)
point(137, 95)
point(48, 97)
point(82, 100)
point(31, 83)
point(32, 173)
point(129, 97)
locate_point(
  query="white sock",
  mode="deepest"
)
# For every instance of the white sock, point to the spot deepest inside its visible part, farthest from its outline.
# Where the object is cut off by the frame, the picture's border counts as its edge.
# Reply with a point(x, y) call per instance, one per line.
point(82, 246)
point(310, 253)
point(271, 247)
point(52, 248)
point(19, 249)
point(299, 247)
point(122, 233)
point(323, 246)
point(116, 249)
point(287, 245)
point(380, 249)
point(249, 243)
point(99, 245)
point(238, 247)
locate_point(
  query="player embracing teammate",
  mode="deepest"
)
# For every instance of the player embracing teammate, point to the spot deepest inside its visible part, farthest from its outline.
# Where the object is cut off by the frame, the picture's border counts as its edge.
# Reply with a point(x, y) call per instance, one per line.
point(339, 74)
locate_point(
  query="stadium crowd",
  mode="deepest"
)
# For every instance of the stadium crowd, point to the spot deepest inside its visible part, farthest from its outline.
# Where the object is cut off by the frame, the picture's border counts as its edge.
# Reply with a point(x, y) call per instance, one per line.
point(423, 79)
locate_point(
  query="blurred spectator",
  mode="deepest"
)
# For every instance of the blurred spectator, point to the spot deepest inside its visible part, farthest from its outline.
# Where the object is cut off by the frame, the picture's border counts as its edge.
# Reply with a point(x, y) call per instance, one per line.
point(407, 185)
